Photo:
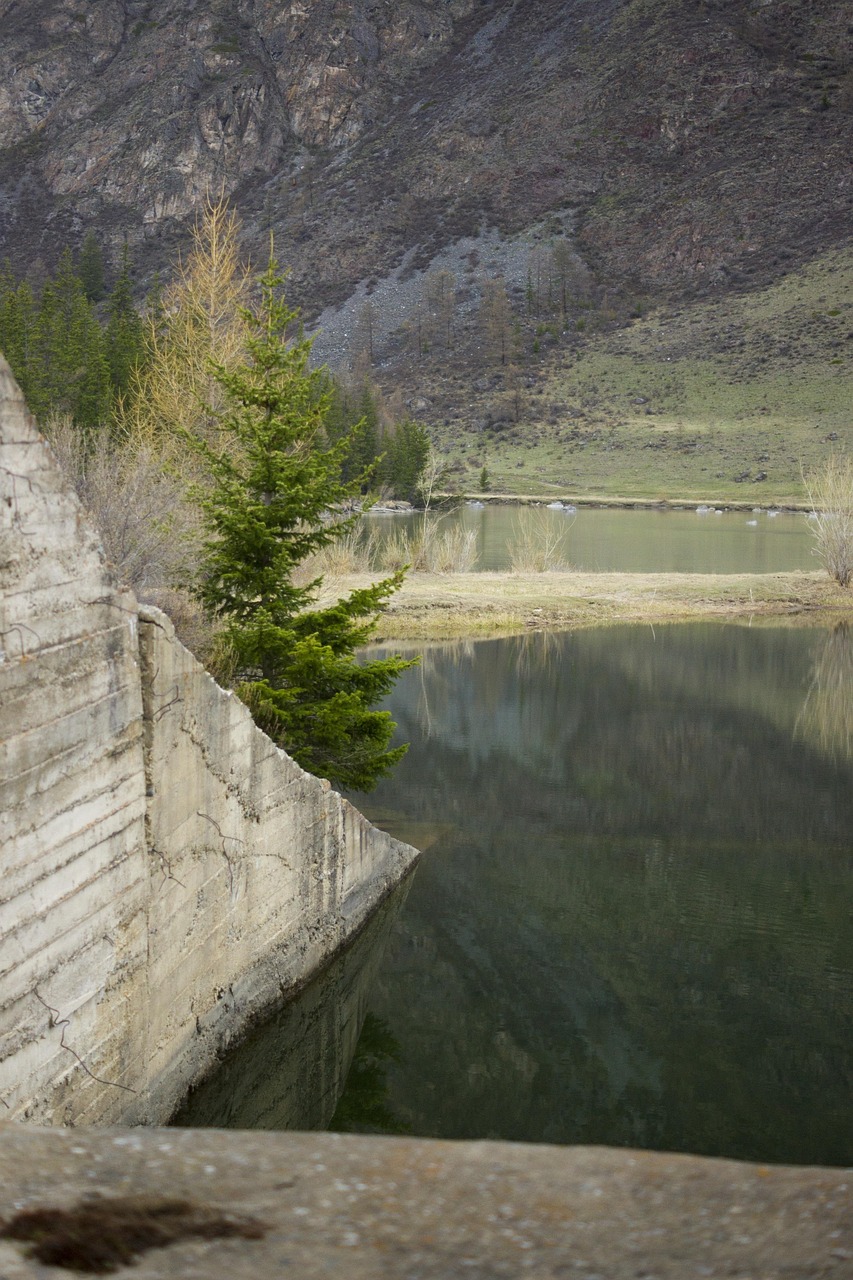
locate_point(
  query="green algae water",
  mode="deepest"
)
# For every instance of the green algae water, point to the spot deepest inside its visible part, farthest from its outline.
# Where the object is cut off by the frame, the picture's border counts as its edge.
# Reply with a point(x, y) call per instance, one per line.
point(631, 921)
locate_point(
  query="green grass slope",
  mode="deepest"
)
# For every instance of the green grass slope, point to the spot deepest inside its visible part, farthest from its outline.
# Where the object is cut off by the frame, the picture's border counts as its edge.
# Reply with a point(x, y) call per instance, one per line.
point(722, 400)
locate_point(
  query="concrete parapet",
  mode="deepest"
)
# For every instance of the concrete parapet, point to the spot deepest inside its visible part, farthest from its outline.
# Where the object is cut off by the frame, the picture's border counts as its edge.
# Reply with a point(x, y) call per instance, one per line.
point(75, 872)
point(388, 1208)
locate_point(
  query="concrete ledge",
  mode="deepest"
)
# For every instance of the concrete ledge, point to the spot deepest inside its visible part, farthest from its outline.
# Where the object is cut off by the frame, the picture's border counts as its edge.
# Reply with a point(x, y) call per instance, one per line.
point(367, 1208)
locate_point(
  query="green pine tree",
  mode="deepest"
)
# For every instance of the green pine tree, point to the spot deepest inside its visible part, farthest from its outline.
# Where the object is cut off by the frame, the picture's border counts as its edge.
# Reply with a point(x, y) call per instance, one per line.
point(90, 269)
point(68, 364)
point(17, 322)
point(355, 415)
point(125, 333)
point(267, 504)
point(406, 452)
point(364, 453)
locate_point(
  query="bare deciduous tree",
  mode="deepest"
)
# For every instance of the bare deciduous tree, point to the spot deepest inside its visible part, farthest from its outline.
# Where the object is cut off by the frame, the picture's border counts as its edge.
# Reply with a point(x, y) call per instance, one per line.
point(365, 331)
point(440, 301)
point(497, 319)
point(830, 491)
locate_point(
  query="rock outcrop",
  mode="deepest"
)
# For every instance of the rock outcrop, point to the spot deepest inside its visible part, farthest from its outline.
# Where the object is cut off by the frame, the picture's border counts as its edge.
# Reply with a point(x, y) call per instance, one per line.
point(701, 145)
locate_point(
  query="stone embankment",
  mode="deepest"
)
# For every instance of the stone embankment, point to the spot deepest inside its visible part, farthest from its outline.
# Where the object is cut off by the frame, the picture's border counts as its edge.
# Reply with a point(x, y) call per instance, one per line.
point(167, 871)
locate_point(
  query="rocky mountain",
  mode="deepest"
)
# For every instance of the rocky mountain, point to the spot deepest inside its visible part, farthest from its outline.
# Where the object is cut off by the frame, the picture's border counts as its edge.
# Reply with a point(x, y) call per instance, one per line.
point(677, 149)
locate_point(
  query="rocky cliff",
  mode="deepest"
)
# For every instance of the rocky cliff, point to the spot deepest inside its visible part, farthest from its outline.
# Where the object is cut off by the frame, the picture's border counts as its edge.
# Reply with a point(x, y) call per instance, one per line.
point(700, 144)
point(678, 150)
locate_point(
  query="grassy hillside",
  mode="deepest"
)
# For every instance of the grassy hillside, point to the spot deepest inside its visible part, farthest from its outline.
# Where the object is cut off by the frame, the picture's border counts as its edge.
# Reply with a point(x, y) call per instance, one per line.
point(698, 401)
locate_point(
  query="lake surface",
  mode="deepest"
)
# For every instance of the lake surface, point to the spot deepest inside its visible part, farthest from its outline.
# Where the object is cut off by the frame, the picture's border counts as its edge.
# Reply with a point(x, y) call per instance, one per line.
point(638, 541)
point(631, 923)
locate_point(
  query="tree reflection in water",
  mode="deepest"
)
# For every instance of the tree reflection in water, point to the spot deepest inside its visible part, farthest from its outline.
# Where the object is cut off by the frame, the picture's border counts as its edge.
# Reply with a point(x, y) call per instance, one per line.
point(827, 714)
point(631, 923)
point(634, 927)
point(363, 1106)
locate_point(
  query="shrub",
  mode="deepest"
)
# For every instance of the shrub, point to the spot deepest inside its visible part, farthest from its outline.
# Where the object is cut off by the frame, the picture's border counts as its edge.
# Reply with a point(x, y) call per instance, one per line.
point(537, 543)
point(147, 527)
point(830, 491)
point(432, 548)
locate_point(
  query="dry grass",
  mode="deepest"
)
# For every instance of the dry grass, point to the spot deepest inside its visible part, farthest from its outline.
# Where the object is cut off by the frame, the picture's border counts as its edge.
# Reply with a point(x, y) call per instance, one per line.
point(148, 529)
point(149, 532)
point(830, 490)
point(433, 548)
point(353, 552)
point(433, 607)
point(446, 550)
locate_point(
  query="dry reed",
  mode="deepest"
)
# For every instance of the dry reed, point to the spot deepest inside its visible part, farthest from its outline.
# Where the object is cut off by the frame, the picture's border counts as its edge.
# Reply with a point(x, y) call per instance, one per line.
point(537, 544)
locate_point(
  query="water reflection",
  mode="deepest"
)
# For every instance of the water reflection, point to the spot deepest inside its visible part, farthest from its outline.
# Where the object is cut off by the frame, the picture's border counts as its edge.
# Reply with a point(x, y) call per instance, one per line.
point(632, 541)
point(631, 925)
point(289, 1073)
point(635, 929)
point(365, 1106)
point(827, 714)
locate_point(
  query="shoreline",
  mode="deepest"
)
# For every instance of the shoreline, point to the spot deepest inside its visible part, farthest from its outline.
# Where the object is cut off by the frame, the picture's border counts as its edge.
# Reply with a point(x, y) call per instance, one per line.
point(470, 605)
point(787, 505)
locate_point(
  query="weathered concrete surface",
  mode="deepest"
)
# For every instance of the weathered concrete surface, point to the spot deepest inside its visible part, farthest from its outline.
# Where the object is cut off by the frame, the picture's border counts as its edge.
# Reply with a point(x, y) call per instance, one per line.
point(367, 1208)
point(289, 1073)
point(261, 872)
point(75, 873)
point(166, 872)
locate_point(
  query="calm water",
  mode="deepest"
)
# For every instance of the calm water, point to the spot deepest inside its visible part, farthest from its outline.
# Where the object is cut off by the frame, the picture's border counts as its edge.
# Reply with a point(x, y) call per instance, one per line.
point(640, 541)
point(631, 924)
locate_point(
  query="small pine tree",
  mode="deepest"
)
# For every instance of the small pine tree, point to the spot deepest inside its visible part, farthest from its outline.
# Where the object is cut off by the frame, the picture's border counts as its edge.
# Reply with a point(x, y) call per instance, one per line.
point(406, 452)
point(266, 501)
point(90, 269)
point(355, 415)
point(17, 322)
point(68, 368)
point(125, 334)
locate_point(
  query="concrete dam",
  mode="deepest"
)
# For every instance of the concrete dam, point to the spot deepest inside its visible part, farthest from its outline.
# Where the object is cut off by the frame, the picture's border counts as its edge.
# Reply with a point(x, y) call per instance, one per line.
point(168, 872)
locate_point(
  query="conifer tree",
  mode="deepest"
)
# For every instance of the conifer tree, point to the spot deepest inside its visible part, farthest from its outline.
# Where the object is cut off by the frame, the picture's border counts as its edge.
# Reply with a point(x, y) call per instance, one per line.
point(124, 335)
point(68, 368)
point(353, 412)
point(17, 322)
point(406, 452)
point(195, 320)
point(268, 499)
point(90, 269)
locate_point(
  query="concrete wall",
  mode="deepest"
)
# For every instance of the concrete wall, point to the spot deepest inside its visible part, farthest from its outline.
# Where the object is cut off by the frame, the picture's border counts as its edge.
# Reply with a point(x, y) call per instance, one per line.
point(167, 872)
point(260, 872)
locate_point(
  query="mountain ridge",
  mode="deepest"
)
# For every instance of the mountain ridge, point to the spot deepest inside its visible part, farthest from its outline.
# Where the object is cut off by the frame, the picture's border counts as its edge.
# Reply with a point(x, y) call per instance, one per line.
point(680, 152)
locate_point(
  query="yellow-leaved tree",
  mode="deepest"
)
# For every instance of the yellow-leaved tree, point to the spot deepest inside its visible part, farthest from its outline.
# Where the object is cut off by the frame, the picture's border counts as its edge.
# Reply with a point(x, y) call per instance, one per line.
point(197, 323)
